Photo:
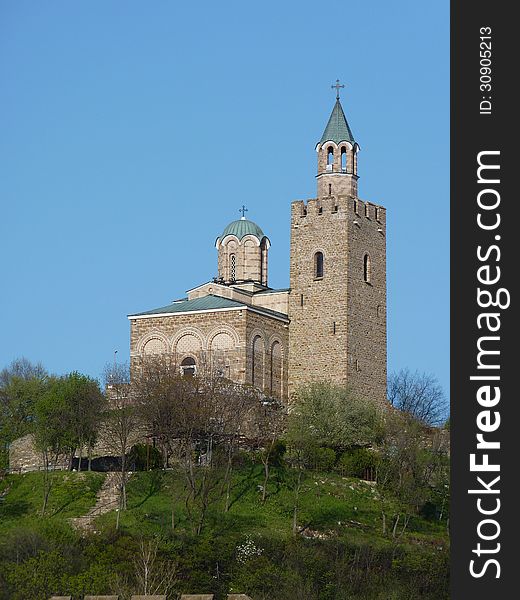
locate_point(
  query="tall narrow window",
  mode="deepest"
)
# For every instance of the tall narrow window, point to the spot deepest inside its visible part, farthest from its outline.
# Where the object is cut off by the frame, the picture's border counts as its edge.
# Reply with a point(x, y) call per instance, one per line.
point(275, 386)
point(343, 160)
point(257, 362)
point(233, 267)
point(366, 268)
point(318, 265)
point(330, 189)
point(330, 155)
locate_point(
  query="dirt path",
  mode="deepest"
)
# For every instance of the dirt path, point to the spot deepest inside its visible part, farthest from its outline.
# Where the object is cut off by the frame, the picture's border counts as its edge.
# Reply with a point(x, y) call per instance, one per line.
point(107, 499)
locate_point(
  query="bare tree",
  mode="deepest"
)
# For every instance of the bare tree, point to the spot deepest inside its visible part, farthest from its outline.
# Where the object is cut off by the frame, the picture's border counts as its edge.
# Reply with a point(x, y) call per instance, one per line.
point(197, 421)
point(270, 424)
point(121, 424)
point(412, 463)
point(24, 369)
point(418, 394)
point(154, 576)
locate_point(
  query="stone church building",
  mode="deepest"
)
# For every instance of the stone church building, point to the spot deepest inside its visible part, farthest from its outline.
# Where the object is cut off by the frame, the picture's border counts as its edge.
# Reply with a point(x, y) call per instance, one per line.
point(329, 324)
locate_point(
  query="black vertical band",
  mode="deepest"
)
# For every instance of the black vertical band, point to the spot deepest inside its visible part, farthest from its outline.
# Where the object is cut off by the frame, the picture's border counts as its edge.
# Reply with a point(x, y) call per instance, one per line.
point(483, 128)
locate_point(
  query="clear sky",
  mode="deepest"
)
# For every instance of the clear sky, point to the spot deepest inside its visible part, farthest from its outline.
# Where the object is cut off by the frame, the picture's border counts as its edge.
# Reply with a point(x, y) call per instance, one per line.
point(132, 132)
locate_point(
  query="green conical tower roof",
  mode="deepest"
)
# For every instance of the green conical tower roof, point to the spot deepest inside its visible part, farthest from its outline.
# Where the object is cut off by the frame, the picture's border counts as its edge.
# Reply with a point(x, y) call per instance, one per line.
point(337, 128)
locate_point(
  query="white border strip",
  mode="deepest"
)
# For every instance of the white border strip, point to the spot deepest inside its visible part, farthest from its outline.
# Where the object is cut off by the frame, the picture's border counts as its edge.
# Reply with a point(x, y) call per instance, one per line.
point(208, 310)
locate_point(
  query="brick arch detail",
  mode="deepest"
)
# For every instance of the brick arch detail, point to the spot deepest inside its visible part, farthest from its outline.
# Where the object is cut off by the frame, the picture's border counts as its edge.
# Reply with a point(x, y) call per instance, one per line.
point(276, 338)
point(255, 333)
point(223, 329)
point(152, 335)
point(187, 331)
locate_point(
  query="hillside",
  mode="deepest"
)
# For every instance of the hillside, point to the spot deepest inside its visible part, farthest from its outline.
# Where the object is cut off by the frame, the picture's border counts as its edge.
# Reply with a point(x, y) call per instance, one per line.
point(338, 552)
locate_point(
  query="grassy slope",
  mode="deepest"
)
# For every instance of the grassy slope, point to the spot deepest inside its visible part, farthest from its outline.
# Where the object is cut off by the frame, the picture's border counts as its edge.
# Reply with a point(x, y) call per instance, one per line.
point(332, 508)
point(21, 498)
point(329, 505)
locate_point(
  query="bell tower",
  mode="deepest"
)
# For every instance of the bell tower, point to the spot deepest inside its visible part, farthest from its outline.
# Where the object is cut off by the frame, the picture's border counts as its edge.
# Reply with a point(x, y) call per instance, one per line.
point(337, 299)
point(337, 155)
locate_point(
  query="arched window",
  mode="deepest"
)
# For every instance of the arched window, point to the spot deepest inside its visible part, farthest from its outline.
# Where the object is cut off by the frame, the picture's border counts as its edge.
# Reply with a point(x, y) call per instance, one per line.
point(343, 160)
point(330, 155)
point(275, 387)
point(188, 366)
point(318, 265)
point(257, 362)
point(366, 268)
point(233, 266)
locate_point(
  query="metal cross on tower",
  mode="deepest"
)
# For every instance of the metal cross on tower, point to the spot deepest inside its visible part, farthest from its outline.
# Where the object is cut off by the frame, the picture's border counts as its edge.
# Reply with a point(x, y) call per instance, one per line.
point(243, 210)
point(337, 86)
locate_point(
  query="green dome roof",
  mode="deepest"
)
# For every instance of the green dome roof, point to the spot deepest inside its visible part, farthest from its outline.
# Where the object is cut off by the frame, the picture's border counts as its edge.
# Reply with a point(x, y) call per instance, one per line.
point(241, 228)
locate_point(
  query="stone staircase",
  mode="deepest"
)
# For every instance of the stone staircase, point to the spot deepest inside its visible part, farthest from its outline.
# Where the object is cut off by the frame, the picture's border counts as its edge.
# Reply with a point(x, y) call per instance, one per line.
point(107, 499)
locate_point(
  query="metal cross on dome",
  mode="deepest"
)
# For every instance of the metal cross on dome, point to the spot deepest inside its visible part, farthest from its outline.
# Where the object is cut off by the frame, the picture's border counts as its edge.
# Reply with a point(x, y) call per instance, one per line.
point(338, 87)
point(243, 210)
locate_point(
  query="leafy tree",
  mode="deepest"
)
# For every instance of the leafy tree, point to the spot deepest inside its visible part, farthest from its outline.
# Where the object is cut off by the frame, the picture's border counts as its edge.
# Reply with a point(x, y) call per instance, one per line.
point(418, 394)
point(67, 416)
point(327, 414)
point(21, 384)
point(53, 435)
point(86, 405)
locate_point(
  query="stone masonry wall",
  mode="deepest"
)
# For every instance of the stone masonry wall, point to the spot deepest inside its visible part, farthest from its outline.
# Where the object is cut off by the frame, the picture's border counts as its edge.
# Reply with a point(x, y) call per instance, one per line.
point(193, 335)
point(268, 355)
point(219, 341)
point(338, 322)
point(366, 315)
point(318, 307)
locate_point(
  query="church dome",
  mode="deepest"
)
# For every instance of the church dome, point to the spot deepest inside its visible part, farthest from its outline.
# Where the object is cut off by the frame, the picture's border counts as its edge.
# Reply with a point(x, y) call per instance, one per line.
point(241, 228)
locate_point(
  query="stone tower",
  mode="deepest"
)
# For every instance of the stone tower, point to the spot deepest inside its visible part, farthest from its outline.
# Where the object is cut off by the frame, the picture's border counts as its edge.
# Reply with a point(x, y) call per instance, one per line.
point(337, 300)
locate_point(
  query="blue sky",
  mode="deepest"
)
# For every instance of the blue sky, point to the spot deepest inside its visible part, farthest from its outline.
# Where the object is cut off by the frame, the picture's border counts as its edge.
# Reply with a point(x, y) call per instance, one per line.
point(132, 132)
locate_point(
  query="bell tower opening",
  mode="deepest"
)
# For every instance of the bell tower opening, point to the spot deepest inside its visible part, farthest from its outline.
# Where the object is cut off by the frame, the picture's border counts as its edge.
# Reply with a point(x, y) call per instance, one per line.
point(337, 155)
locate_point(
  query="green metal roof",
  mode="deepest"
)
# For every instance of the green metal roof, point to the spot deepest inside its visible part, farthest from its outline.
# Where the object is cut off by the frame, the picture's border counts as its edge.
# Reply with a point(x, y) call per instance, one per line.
point(210, 302)
point(337, 128)
point(241, 228)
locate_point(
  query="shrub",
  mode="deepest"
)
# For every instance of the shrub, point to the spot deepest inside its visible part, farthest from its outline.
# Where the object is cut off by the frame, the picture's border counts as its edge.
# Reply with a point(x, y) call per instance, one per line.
point(143, 457)
point(277, 453)
point(357, 463)
point(321, 459)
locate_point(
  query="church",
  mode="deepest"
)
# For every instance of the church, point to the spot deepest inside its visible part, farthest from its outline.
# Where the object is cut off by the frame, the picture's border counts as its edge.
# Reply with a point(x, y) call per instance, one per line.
point(328, 325)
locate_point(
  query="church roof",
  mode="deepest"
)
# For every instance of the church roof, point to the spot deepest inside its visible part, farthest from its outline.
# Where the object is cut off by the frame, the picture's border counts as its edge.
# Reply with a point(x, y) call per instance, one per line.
point(337, 129)
point(207, 303)
point(241, 228)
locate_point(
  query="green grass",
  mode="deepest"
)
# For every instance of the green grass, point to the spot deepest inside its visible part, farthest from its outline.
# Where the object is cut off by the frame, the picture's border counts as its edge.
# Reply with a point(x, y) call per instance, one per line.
point(329, 506)
point(21, 497)
point(341, 552)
